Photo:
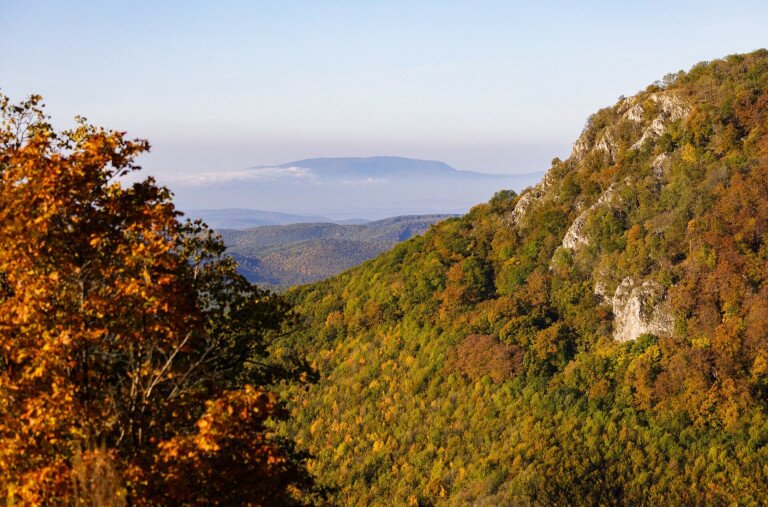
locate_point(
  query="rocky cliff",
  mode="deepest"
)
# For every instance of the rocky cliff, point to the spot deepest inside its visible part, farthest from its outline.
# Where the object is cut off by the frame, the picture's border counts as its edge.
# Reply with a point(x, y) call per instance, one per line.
point(634, 124)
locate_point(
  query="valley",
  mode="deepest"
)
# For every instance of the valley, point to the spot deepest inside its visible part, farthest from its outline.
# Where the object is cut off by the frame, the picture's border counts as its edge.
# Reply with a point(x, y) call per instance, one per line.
point(280, 256)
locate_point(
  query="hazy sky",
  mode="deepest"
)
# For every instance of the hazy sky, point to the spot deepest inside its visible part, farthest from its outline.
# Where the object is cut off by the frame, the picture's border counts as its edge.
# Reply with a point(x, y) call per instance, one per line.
point(482, 85)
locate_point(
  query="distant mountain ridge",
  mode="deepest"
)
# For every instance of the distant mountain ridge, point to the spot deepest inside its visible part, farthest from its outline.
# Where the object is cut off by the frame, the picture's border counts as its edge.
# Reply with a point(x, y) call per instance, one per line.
point(331, 189)
point(279, 256)
point(241, 218)
point(381, 167)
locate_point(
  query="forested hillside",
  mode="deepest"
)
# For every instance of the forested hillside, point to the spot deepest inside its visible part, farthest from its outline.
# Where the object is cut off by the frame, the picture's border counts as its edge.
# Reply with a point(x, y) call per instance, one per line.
point(599, 339)
point(280, 256)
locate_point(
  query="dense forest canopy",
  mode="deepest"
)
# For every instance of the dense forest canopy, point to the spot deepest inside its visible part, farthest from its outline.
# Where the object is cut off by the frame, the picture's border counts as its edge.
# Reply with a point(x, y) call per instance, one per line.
point(598, 339)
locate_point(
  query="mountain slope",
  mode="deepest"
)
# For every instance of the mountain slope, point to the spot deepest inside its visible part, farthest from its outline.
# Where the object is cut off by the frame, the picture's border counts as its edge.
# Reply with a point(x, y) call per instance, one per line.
point(285, 255)
point(599, 339)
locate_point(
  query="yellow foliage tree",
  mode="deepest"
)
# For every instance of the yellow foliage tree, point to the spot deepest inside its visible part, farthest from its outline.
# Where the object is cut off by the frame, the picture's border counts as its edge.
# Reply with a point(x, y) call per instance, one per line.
point(124, 333)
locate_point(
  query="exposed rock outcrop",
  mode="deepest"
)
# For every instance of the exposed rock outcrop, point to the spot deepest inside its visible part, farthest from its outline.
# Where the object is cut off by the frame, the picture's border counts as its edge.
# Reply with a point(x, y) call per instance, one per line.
point(635, 113)
point(672, 108)
point(574, 236)
point(639, 309)
point(607, 144)
point(534, 194)
point(660, 164)
point(581, 146)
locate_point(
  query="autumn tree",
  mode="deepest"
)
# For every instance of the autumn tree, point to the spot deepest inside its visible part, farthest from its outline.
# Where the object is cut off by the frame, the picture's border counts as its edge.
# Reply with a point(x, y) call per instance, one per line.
point(128, 343)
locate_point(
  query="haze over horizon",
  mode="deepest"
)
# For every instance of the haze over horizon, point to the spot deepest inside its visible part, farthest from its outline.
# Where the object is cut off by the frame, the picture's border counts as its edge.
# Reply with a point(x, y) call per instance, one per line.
point(226, 86)
point(344, 188)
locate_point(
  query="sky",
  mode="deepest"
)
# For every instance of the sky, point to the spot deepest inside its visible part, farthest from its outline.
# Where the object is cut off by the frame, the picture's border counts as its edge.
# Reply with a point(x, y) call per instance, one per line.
point(490, 86)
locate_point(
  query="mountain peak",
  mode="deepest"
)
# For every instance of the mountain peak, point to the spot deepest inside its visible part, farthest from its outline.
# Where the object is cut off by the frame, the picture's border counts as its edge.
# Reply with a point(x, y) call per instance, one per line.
point(376, 167)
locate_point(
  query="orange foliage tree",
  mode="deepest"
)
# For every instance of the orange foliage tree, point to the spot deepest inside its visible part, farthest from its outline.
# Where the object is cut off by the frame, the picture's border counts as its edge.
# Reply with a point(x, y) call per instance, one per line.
point(126, 336)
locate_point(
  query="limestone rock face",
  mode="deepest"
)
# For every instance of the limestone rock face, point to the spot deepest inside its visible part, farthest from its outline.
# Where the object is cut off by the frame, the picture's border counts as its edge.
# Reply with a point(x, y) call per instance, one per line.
point(574, 236)
point(635, 113)
point(672, 109)
point(640, 308)
point(536, 193)
point(660, 164)
point(607, 144)
point(580, 147)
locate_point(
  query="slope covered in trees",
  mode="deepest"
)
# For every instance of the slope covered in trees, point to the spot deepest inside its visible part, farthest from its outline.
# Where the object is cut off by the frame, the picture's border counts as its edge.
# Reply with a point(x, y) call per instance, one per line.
point(599, 339)
point(280, 256)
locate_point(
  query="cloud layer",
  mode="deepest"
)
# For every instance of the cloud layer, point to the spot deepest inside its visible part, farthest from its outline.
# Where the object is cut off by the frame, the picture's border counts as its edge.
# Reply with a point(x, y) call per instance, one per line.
point(254, 174)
